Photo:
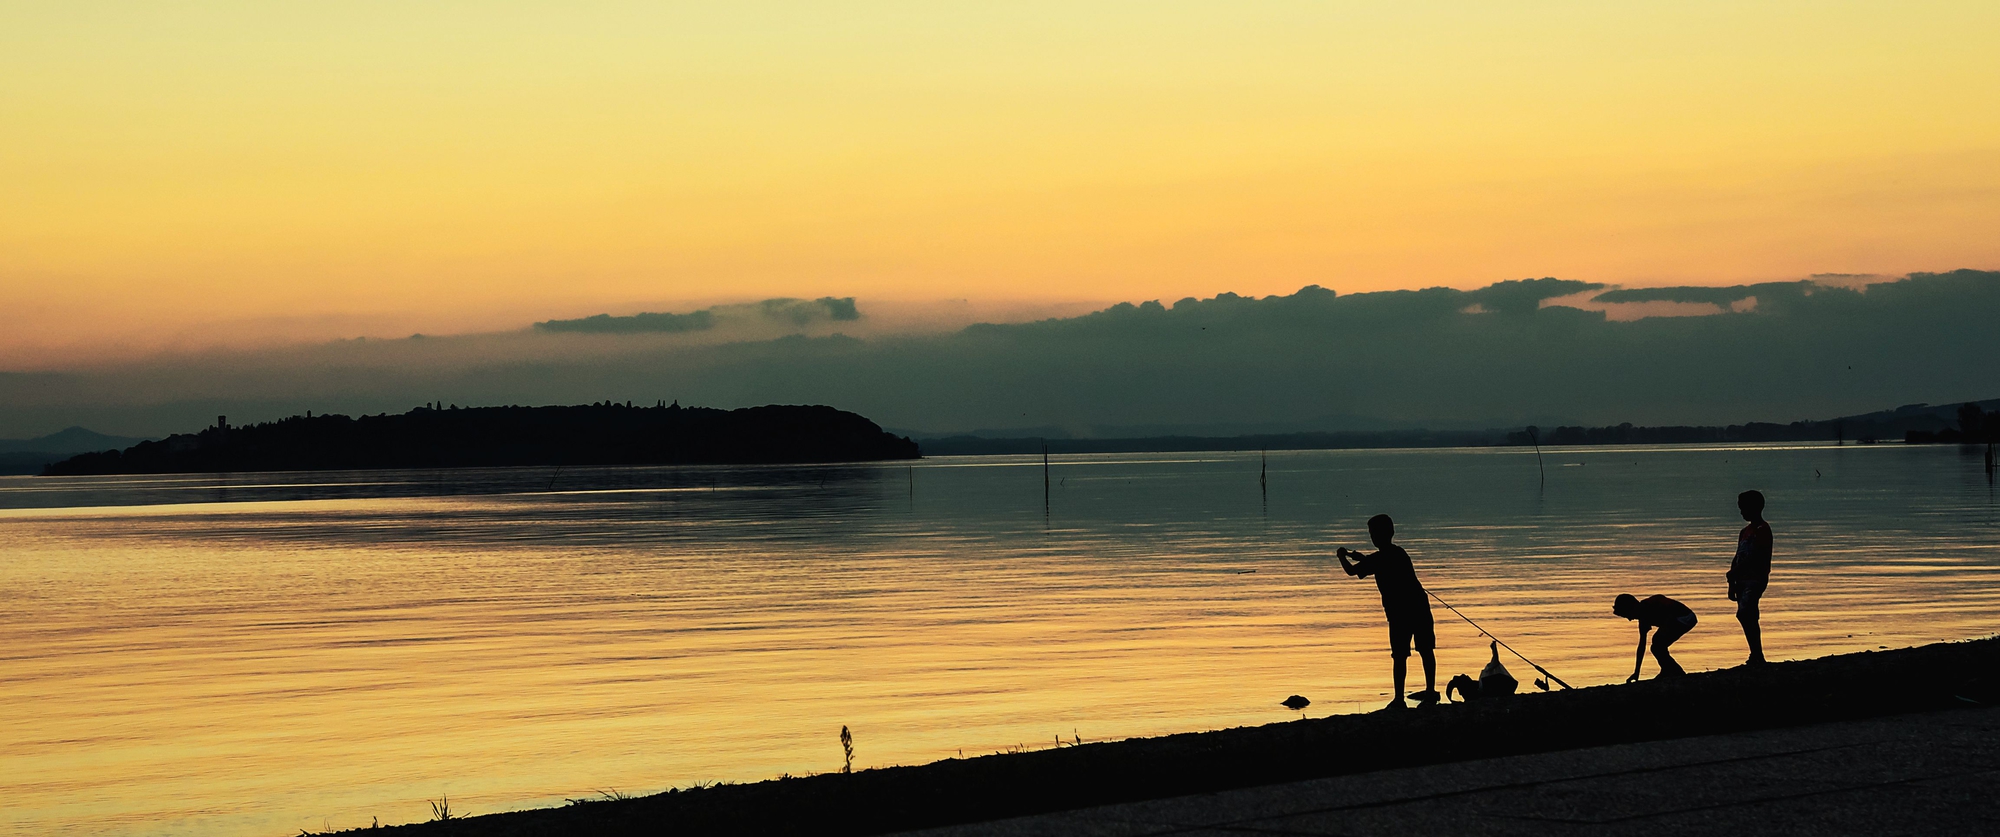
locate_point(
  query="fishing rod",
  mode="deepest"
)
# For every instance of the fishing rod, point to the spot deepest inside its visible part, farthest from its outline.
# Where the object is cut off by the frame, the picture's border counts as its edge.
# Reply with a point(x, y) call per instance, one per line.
point(1503, 643)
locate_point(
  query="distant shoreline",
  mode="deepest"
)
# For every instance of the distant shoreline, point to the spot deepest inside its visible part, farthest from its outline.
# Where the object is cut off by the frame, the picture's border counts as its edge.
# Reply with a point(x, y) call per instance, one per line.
point(843, 436)
point(954, 791)
point(1910, 424)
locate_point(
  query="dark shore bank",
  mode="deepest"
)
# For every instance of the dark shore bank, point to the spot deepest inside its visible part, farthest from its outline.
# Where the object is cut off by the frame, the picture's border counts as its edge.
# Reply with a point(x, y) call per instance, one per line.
point(1852, 686)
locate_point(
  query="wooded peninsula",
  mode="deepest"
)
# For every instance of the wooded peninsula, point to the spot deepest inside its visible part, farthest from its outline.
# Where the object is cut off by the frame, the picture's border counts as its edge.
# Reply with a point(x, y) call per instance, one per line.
point(435, 436)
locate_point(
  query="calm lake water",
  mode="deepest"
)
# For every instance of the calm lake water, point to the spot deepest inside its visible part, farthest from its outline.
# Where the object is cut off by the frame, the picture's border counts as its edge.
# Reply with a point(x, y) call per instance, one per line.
point(264, 653)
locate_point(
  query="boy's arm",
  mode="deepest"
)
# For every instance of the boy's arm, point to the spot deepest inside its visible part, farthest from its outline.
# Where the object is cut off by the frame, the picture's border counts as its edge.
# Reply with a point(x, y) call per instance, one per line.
point(1639, 659)
point(1751, 568)
point(1735, 566)
point(1361, 568)
point(1758, 573)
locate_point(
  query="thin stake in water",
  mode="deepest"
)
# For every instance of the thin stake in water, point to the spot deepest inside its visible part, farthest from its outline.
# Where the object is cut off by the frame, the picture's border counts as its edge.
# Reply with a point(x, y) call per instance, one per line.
point(1534, 439)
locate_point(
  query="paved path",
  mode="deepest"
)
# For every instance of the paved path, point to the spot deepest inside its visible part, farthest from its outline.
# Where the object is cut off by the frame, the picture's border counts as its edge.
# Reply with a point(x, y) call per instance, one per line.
point(1933, 773)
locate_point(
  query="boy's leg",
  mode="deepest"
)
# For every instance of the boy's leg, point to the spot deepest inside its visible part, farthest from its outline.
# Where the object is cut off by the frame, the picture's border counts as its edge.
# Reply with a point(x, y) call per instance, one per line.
point(1668, 666)
point(1424, 637)
point(1399, 653)
point(1663, 639)
point(1748, 612)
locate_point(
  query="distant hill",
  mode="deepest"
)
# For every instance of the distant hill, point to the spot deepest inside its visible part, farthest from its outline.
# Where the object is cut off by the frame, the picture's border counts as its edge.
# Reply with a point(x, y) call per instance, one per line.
point(426, 437)
point(970, 445)
point(30, 456)
point(1913, 422)
point(71, 440)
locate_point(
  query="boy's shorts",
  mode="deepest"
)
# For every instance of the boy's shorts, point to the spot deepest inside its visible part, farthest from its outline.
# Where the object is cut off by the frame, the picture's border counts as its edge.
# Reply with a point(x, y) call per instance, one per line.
point(1415, 629)
point(1746, 605)
point(1673, 630)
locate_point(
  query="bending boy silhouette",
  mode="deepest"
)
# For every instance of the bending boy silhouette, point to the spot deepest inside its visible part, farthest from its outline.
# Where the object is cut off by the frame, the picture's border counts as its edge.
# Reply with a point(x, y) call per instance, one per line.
point(1672, 618)
point(1750, 571)
point(1403, 601)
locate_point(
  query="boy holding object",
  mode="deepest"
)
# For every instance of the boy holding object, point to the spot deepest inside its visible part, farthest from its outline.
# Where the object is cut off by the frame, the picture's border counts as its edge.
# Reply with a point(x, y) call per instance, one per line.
point(1404, 601)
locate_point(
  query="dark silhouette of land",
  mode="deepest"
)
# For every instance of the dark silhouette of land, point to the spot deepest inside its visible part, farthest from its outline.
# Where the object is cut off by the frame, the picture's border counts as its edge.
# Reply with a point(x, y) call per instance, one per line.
point(429, 437)
point(30, 456)
point(1978, 424)
point(1970, 423)
point(1913, 423)
point(1780, 695)
point(1360, 439)
point(1920, 773)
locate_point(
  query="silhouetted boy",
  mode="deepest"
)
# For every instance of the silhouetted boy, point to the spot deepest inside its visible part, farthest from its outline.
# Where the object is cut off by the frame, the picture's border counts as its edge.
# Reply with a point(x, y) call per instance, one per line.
point(1672, 618)
point(1750, 571)
point(1403, 601)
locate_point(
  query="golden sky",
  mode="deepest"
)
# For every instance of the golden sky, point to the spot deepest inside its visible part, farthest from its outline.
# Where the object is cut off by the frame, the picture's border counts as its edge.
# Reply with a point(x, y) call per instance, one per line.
point(176, 168)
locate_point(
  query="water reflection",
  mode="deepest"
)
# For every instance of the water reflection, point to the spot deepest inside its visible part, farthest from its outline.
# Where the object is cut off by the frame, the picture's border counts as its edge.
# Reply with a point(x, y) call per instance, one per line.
point(263, 653)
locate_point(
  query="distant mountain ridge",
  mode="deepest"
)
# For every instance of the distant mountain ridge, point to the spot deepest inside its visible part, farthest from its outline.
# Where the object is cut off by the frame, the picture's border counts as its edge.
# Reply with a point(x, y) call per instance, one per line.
point(30, 456)
point(1911, 422)
point(69, 440)
point(428, 437)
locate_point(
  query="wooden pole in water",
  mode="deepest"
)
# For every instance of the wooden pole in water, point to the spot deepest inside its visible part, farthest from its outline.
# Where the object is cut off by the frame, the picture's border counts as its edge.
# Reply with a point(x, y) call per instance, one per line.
point(1263, 471)
point(1536, 440)
point(1045, 476)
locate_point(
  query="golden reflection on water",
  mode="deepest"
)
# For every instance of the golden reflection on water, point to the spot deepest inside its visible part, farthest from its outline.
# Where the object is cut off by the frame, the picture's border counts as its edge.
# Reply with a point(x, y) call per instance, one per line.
point(268, 654)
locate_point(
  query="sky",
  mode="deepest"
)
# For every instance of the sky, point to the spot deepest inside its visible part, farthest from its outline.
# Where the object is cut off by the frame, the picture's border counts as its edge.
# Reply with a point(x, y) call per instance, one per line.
point(183, 176)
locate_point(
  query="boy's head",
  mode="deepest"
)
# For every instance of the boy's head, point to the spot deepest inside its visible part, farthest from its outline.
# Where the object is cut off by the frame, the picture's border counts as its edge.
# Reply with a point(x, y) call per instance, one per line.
point(1626, 605)
point(1751, 504)
point(1381, 530)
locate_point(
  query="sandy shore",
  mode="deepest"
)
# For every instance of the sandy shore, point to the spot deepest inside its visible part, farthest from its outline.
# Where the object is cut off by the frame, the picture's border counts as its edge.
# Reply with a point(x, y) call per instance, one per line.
point(1847, 687)
point(1916, 774)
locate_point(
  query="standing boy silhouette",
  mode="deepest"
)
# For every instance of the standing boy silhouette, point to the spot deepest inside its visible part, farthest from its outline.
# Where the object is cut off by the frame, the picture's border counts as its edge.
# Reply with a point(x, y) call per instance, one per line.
point(1750, 571)
point(1403, 601)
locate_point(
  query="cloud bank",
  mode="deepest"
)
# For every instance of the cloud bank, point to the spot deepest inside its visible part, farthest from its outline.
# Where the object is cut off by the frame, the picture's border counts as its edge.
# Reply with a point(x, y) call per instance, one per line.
point(1544, 351)
point(781, 311)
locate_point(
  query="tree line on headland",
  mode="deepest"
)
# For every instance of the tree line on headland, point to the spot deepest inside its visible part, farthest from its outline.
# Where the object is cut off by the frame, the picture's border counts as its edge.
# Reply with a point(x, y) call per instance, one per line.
point(1975, 426)
point(437, 436)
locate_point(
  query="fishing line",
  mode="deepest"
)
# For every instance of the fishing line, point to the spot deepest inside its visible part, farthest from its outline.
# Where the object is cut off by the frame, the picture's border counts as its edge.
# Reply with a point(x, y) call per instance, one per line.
point(1503, 643)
